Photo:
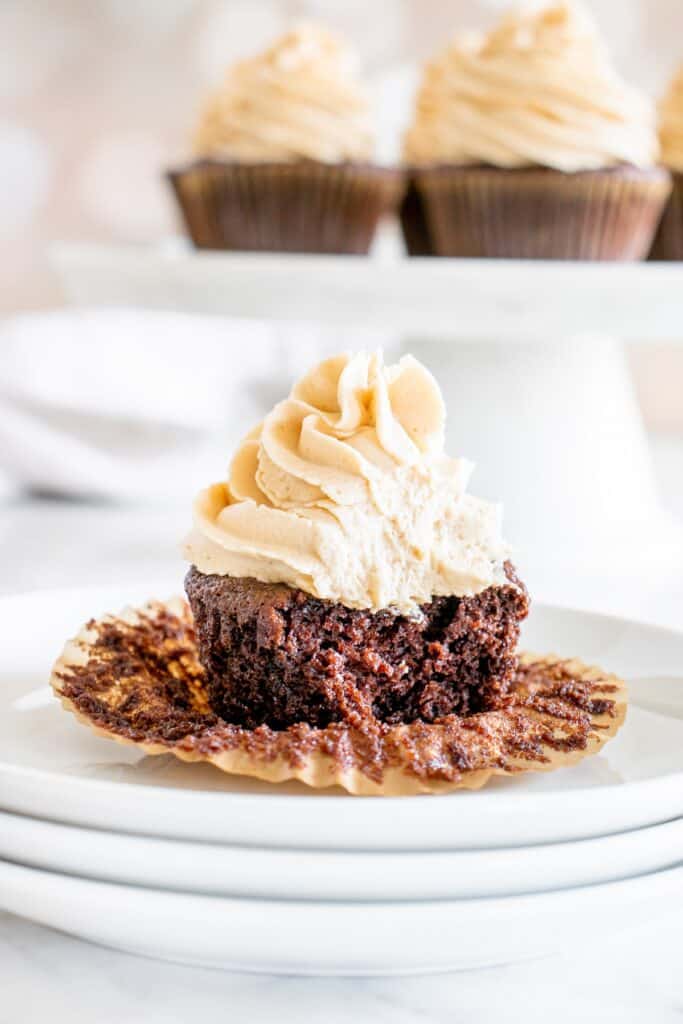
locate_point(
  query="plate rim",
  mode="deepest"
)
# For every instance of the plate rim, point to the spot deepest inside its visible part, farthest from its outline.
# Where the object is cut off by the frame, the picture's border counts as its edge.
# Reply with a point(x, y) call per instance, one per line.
point(343, 852)
point(612, 905)
point(482, 901)
point(228, 871)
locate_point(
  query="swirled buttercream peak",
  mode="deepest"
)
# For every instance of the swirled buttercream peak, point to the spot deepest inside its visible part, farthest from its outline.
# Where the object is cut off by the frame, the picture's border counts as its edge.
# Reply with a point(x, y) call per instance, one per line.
point(345, 492)
point(538, 90)
point(300, 99)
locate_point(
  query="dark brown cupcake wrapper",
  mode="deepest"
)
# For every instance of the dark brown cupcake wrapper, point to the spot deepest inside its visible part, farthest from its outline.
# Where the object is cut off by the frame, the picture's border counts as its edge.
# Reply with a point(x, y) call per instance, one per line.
point(285, 207)
point(413, 217)
point(668, 242)
point(538, 213)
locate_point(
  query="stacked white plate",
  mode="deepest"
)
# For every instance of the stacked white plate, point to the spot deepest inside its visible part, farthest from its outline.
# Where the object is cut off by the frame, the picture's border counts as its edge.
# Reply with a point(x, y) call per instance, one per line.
point(180, 862)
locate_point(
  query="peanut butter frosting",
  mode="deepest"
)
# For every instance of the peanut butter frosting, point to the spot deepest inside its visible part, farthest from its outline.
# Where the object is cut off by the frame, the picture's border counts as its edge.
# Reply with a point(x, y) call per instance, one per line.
point(671, 124)
point(299, 99)
point(344, 491)
point(538, 90)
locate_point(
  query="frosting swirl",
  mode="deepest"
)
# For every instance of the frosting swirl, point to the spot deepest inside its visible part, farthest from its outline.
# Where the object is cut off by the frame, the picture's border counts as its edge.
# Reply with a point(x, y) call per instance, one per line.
point(538, 90)
point(299, 99)
point(344, 492)
point(671, 124)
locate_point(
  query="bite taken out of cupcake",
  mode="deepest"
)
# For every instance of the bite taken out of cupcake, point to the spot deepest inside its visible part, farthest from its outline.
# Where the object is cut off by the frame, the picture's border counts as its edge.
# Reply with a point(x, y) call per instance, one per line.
point(353, 614)
point(284, 154)
point(668, 243)
point(526, 143)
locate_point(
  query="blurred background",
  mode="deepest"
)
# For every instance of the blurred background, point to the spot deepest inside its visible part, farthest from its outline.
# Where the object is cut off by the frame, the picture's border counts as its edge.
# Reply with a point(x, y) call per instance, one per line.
point(96, 100)
point(97, 97)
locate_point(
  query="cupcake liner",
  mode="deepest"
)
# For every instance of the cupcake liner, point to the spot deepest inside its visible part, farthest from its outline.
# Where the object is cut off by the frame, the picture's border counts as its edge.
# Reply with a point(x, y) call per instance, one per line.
point(413, 218)
point(136, 679)
point(285, 207)
point(668, 242)
point(538, 213)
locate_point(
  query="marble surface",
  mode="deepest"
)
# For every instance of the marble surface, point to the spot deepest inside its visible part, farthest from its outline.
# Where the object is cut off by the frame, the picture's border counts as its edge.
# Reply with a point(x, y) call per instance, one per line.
point(629, 977)
point(633, 978)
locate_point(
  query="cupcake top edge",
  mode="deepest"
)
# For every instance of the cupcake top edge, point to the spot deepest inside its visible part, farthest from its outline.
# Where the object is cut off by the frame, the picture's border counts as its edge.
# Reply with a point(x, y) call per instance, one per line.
point(344, 491)
point(300, 99)
point(671, 123)
point(539, 89)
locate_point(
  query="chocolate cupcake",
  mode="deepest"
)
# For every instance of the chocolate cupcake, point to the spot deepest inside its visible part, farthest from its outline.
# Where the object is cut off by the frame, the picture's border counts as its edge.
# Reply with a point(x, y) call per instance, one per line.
point(353, 614)
point(668, 243)
point(526, 144)
point(284, 155)
point(343, 571)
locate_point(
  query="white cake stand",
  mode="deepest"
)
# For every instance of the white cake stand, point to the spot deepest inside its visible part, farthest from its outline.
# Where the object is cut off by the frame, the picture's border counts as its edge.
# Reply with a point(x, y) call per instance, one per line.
point(536, 384)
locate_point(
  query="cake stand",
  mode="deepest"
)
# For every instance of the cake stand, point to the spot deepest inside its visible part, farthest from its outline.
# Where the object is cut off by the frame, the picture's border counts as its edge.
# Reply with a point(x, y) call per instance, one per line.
point(529, 355)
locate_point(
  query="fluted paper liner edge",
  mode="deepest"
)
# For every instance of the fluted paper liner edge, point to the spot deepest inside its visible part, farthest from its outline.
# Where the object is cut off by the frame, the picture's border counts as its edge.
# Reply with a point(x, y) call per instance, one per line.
point(548, 718)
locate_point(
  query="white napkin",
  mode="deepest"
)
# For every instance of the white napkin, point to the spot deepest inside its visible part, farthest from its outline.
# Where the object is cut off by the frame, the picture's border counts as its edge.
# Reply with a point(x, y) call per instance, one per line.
point(123, 403)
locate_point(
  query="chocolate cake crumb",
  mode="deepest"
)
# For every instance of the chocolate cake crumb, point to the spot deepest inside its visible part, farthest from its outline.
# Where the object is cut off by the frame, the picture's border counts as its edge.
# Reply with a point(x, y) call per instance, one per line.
point(276, 656)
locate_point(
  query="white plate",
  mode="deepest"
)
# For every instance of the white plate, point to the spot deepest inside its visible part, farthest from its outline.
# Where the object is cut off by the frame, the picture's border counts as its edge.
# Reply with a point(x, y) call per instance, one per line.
point(52, 767)
point(326, 875)
point(331, 938)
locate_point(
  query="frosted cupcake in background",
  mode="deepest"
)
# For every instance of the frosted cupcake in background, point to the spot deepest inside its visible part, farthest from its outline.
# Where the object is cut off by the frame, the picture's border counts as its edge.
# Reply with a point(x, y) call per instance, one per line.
point(526, 143)
point(668, 243)
point(284, 155)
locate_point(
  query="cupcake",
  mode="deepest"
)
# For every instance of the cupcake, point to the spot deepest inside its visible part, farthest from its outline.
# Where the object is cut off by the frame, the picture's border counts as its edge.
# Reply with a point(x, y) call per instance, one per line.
point(353, 613)
point(525, 143)
point(343, 569)
point(284, 155)
point(668, 243)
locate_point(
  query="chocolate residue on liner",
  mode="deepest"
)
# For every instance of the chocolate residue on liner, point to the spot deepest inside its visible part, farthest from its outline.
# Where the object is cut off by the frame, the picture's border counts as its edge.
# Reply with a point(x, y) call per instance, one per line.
point(138, 678)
